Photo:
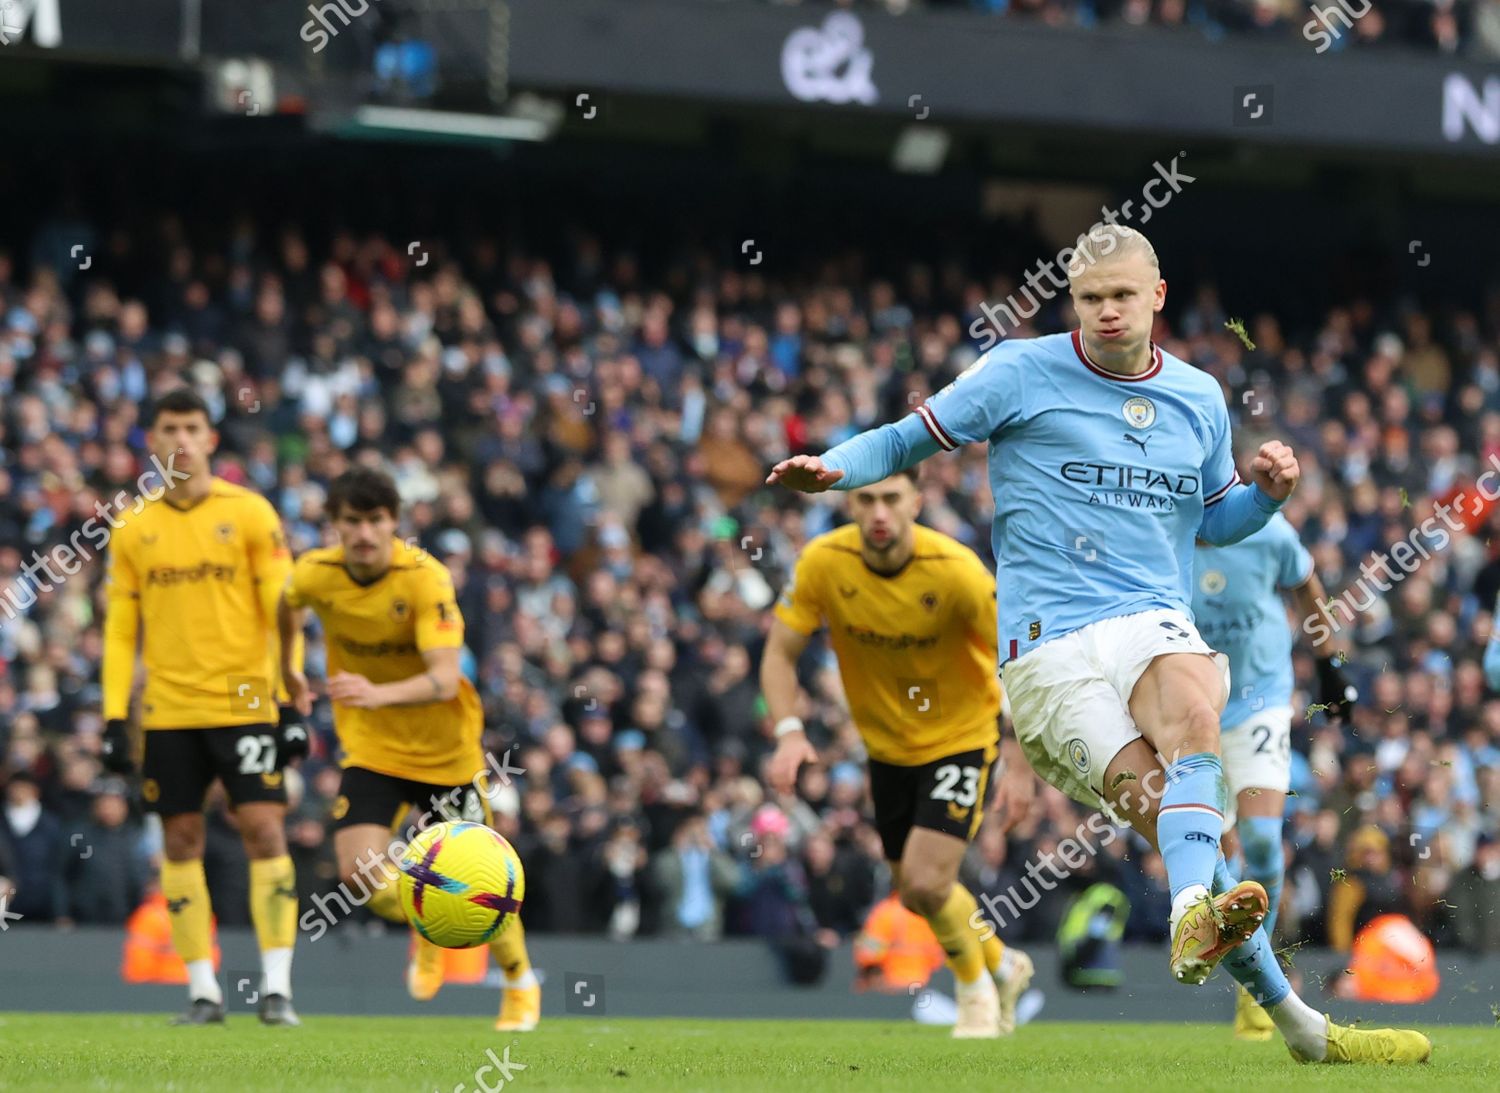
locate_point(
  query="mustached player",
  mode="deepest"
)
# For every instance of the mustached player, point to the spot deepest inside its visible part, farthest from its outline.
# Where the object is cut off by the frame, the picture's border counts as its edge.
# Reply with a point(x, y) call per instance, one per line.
point(1237, 605)
point(407, 719)
point(1108, 457)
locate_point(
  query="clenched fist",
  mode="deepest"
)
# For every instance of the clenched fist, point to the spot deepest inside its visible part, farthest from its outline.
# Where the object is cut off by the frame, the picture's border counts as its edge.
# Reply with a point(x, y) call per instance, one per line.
point(1275, 470)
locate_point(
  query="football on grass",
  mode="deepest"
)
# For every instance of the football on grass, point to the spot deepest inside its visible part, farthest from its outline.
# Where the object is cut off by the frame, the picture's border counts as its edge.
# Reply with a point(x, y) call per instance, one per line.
point(461, 884)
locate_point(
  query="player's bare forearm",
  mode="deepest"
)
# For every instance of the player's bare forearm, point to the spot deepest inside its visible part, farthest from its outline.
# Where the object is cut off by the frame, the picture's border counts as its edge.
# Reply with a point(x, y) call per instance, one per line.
point(289, 623)
point(778, 670)
point(1016, 787)
point(778, 682)
point(438, 682)
point(1308, 597)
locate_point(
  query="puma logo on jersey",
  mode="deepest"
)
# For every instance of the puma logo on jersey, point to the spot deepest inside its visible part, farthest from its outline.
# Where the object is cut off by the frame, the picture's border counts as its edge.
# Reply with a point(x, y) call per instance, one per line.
point(1138, 440)
point(176, 905)
point(284, 892)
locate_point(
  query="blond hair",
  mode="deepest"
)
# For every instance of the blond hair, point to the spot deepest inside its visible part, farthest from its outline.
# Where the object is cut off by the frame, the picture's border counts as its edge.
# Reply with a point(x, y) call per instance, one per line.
point(1110, 241)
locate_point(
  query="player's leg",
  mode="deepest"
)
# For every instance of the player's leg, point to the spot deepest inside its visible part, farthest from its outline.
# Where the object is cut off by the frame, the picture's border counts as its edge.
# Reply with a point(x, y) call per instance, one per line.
point(1175, 704)
point(1070, 700)
point(521, 996)
point(929, 887)
point(1257, 767)
point(370, 806)
point(246, 762)
point(935, 813)
point(176, 771)
point(1258, 771)
point(365, 869)
point(1133, 778)
point(926, 844)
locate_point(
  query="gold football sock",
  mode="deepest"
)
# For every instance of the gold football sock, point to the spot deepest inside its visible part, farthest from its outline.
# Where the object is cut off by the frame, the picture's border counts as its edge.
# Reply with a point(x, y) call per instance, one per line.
point(509, 949)
point(186, 889)
point(273, 902)
point(959, 940)
point(994, 953)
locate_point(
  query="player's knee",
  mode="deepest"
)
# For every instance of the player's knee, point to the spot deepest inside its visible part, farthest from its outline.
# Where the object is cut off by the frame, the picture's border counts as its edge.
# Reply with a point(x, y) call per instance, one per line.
point(1260, 842)
point(1194, 733)
point(182, 837)
point(264, 839)
point(924, 895)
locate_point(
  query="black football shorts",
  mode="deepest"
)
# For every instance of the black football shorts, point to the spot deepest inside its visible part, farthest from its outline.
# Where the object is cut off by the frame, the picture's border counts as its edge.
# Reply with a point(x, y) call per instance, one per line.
point(369, 797)
point(180, 765)
point(945, 795)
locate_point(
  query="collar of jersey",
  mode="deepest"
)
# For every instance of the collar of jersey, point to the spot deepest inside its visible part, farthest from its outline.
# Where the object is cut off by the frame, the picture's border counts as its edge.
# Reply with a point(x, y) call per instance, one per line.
point(1083, 355)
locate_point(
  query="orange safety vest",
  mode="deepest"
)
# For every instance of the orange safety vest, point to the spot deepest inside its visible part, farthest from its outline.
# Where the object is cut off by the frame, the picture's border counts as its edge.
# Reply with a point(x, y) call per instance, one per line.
point(901, 943)
point(1392, 961)
point(149, 956)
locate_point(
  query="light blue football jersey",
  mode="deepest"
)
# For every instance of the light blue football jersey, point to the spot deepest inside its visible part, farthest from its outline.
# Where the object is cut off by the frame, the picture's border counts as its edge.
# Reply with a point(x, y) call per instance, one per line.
point(1101, 481)
point(1238, 607)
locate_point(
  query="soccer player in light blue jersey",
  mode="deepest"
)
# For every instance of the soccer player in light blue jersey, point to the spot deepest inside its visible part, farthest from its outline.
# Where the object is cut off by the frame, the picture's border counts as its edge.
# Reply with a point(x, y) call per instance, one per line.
point(1238, 609)
point(1108, 458)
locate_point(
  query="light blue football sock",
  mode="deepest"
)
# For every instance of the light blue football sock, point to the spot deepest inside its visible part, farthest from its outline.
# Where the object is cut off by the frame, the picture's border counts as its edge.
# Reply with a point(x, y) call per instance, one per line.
point(1190, 820)
point(1264, 861)
point(1255, 967)
point(1226, 876)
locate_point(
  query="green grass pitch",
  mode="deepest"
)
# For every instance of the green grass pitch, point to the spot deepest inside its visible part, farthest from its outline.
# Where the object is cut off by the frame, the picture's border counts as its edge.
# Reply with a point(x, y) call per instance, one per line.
point(117, 1052)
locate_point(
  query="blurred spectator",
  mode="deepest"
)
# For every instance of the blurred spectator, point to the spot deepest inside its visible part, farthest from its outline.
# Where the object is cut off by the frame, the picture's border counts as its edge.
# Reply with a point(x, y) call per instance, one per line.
point(693, 877)
point(1475, 897)
point(841, 885)
point(37, 847)
point(1364, 890)
point(1149, 898)
point(107, 870)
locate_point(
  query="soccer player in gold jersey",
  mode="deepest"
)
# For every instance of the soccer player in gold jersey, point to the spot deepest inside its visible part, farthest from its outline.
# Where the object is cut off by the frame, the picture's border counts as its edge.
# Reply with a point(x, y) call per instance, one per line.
point(911, 617)
point(194, 575)
point(407, 718)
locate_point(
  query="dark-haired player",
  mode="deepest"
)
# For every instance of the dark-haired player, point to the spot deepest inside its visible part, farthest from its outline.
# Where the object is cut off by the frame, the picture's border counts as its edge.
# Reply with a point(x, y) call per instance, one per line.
point(408, 720)
point(194, 575)
point(911, 617)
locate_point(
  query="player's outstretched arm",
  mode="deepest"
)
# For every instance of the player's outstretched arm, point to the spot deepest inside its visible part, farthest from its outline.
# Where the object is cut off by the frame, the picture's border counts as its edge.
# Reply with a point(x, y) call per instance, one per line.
point(1238, 510)
point(778, 682)
point(860, 460)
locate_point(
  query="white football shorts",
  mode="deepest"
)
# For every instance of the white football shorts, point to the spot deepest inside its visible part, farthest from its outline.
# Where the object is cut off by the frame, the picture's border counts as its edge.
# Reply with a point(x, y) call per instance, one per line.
point(1070, 697)
point(1258, 754)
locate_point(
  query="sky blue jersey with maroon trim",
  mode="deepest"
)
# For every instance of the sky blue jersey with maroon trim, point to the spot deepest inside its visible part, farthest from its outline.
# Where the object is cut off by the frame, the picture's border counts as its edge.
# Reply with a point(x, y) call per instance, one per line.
point(1102, 482)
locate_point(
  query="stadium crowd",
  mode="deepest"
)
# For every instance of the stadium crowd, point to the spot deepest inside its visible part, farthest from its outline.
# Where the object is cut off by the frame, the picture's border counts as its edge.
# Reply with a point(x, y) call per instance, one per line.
point(1447, 26)
point(585, 449)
